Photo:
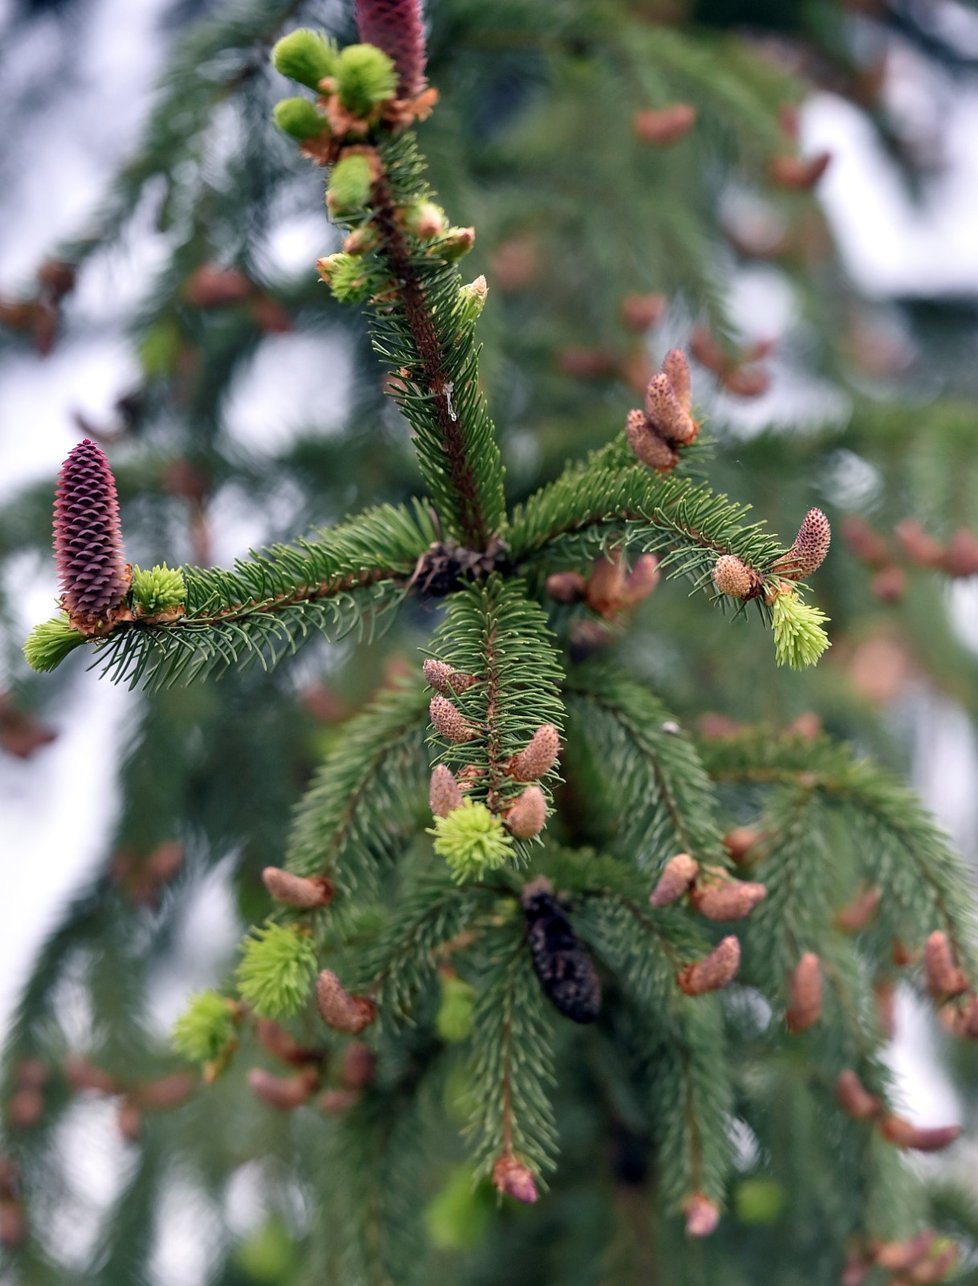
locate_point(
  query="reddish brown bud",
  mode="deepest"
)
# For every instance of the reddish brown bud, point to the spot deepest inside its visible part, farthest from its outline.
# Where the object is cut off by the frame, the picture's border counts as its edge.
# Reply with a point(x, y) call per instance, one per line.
point(395, 27)
point(961, 556)
point(566, 587)
point(341, 1010)
point(664, 126)
point(708, 351)
point(449, 720)
point(33, 1073)
point(867, 544)
point(718, 897)
point(278, 1041)
point(740, 841)
point(702, 1215)
point(855, 915)
point(585, 363)
point(642, 312)
point(805, 994)
point(528, 815)
point(666, 413)
point(514, 1179)
point(538, 756)
point(165, 1093)
point(966, 1020)
point(25, 1108)
point(900, 1256)
point(444, 794)
point(944, 978)
point(642, 579)
point(212, 287)
point(87, 536)
point(676, 369)
point(129, 1119)
point(810, 546)
point(714, 971)
point(746, 381)
point(282, 1092)
point(853, 1097)
point(884, 993)
point(445, 678)
point(9, 1178)
point(935, 1268)
point(919, 547)
point(358, 1066)
point(889, 584)
point(297, 890)
point(13, 1225)
point(904, 1134)
point(647, 445)
point(733, 577)
point(337, 1101)
point(57, 277)
point(675, 881)
point(795, 173)
point(83, 1075)
point(605, 591)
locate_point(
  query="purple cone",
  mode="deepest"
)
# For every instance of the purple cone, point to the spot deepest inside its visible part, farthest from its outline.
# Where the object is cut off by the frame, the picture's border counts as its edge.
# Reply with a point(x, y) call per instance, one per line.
point(87, 535)
point(395, 27)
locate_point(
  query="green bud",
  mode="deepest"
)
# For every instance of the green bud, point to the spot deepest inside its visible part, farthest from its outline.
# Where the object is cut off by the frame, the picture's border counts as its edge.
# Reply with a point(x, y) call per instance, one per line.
point(306, 56)
point(48, 644)
point(425, 219)
point(458, 1215)
point(364, 76)
point(158, 589)
point(471, 301)
point(758, 1200)
point(299, 118)
point(453, 1021)
point(799, 639)
point(350, 181)
point(472, 841)
point(348, 277)
point(454, 244)
point(277, 970)
point(205, 1029)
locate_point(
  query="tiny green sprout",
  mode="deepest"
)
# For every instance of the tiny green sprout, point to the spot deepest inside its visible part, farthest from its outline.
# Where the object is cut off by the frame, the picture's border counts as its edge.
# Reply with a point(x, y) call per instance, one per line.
point(471, 301)
point(349, 278)
point(472, 841)
point(799, 639)
point(305, 56)
point(299, 118)
point(205, 1029)
point(276, 974)
point(158, 589)
point(365, 76)
point(453, 1021)
point(49, 643)
point(349, 187)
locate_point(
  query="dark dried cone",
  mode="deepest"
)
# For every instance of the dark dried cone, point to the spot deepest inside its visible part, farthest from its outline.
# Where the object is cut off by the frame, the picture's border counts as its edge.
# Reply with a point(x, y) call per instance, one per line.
point(87, 535)
point(395, 27)
point(567, 974)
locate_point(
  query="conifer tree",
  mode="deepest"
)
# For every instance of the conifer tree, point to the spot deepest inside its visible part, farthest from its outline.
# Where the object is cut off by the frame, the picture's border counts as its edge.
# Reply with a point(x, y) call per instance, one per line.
point(531, 936)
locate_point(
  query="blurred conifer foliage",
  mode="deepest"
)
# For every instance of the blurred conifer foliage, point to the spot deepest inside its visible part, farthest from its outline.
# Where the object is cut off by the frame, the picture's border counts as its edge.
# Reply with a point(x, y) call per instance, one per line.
point(574, 897)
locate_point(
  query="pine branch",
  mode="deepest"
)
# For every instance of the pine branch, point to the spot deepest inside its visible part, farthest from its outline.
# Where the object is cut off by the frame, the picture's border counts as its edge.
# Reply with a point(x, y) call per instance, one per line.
point(893, 842)
point(263, 608)
point(631, 744)
point(358, 812)
point(512, 1062)
point(421, 332)
point(613, 501)
point(495, 634)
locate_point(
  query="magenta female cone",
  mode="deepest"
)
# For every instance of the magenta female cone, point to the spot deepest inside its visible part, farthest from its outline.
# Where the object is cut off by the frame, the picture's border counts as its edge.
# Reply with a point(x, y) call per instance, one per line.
point(87, 536)
point(395, 27)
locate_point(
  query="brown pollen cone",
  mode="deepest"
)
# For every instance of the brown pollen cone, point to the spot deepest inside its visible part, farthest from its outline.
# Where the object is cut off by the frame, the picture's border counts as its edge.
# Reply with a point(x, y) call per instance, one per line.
point(810, 546)
point(702, 1215)
point(675, 881)
point(538, 756)
point(944, 978)
point(904, 1134)
point(511, 1177)
point(444, 792)
point(661, 127)
point(853, 1097)
point(297, 890)
point(805, 994)
point(718, 897)
point(714, 971)
point(341, 1010)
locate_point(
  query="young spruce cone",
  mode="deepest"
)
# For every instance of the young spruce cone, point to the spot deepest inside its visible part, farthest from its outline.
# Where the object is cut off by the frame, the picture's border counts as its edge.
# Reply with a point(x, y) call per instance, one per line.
point(87, 536)
point(395, 27)
point(566, 972)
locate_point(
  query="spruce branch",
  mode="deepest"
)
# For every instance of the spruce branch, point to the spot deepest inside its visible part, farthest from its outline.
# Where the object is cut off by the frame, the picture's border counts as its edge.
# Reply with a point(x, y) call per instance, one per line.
point(663, 799)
